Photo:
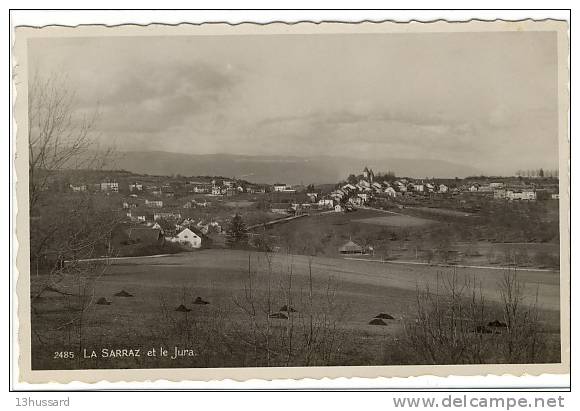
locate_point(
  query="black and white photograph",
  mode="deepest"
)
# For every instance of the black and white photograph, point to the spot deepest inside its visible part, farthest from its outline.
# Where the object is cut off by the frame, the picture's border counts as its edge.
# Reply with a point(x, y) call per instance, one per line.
point(322, 197)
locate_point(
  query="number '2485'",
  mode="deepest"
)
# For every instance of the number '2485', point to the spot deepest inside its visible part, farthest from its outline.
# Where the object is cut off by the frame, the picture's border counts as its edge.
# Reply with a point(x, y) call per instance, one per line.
point(63, 355)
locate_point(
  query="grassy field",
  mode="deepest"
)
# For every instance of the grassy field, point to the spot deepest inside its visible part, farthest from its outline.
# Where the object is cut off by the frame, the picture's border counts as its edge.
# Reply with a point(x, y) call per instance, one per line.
point(441, 211)
point(395, 220)
point(399, 236)
point(346, 295)
point(240, 204)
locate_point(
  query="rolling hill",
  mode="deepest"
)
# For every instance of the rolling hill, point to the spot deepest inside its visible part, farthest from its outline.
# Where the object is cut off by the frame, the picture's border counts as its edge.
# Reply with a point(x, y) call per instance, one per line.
point(287, 169)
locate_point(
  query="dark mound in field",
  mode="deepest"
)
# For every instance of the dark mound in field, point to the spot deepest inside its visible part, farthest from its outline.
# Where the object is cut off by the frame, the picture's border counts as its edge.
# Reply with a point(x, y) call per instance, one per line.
point(288, 310)
point(377, 321)
point(497, 324)
point(200, 300)
point(182, 308)
point(123, 293)
point(385, 316)
point(281, 316)
point(103, 301)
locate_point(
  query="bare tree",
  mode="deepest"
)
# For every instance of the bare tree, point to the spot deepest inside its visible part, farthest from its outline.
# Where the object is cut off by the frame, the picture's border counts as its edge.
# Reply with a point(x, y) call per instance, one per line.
point(453, 323)
point(63, 232)
point(61, 139)
point(523, 342)
point(304, 330)
point(58, 136)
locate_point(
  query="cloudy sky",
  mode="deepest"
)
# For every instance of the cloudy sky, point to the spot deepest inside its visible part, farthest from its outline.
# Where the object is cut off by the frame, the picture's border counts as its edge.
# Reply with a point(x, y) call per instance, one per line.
point(488, 100)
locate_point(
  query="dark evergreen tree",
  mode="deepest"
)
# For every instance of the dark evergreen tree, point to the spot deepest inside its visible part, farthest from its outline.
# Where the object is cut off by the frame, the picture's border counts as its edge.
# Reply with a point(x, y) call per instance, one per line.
point(237, 232)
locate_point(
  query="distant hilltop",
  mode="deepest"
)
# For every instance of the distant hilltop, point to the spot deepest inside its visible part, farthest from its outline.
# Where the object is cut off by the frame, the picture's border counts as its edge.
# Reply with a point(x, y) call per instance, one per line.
point(271, 169)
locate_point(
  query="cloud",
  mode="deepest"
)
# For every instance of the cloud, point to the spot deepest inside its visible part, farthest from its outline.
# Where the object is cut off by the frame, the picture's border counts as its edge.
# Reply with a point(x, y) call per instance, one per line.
point(487, 98)
point(159, 97)
point(388, 128)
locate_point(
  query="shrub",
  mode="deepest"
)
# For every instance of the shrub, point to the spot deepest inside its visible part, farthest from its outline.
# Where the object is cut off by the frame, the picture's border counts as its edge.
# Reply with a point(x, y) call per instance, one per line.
point(452, 324)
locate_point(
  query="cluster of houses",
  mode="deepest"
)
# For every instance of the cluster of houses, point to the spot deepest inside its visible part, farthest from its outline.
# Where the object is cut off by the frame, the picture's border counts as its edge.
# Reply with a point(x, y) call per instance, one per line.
point(514, 191)
point(360, 192)
point(148, 202)
point(169, 189)
point(363, 190)
point(366, 187)
point(104, 186)
point(186, 232)
point(146, 235)
point(223, 187)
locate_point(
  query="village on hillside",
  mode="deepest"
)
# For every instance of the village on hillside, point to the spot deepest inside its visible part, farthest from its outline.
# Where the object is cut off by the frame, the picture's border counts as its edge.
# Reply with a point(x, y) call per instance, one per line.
point(155, 212)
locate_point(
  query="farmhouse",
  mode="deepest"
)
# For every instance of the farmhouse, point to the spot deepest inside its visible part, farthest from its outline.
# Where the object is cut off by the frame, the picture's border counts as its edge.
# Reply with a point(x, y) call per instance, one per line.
point(189, 238)
point(351, 248)
point(135, 187)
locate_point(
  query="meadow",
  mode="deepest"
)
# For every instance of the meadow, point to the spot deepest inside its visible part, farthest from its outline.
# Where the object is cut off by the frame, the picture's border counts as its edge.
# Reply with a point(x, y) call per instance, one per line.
point(335, 297)
point(410, 235)
point(395, 220)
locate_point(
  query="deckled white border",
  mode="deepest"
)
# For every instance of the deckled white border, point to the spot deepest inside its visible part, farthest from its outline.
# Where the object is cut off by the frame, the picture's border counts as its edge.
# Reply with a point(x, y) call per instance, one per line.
point(314, 372)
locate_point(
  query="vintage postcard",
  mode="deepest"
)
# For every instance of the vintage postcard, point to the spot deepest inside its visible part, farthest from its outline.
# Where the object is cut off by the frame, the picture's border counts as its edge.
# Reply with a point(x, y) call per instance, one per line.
point(199, 202)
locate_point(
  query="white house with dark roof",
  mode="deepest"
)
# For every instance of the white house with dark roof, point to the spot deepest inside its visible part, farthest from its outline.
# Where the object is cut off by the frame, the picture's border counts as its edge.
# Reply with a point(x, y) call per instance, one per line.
point(189, 238)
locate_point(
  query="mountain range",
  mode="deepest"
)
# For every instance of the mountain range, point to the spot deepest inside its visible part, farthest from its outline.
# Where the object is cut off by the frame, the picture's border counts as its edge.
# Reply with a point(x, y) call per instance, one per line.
point(285, 169)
